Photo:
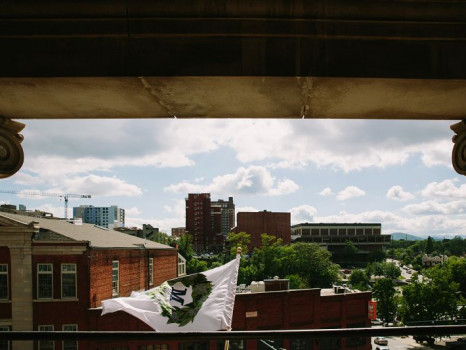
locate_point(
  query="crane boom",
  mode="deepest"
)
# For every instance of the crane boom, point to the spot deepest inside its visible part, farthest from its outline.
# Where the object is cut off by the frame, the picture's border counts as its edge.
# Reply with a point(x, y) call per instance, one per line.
point(50, 194)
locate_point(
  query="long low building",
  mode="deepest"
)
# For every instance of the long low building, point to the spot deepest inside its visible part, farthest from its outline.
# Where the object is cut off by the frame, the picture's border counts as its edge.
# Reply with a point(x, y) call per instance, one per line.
point(366, 237)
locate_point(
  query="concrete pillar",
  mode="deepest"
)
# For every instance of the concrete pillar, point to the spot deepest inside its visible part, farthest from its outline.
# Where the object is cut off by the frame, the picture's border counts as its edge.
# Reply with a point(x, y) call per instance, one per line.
point(18, 239)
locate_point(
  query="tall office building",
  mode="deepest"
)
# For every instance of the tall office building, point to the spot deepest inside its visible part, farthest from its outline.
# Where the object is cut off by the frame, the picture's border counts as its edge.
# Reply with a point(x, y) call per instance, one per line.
point(108, 217)
point(208, 222)
point(222, 215)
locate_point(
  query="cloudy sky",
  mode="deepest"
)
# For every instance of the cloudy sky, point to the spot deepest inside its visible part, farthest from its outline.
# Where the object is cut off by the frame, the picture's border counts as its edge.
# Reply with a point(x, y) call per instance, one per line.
point(398, 173)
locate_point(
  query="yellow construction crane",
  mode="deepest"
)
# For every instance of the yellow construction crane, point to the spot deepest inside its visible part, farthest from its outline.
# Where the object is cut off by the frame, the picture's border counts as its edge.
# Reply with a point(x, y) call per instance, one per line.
point(61, 195)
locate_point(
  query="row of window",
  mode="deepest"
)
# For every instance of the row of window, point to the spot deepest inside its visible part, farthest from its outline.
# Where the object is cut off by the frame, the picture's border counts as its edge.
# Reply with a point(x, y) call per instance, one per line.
point(45, 281)
point(46, 344)
point(66, 344)
point(336, 231)
point(68, 280)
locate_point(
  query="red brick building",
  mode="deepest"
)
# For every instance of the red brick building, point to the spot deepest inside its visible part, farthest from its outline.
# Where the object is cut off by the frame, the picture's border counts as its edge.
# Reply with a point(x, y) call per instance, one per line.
point(54, 273)
point(256, 223)
point(198, 220)
point(208, 222)
point(275, 310)
point(177, 232)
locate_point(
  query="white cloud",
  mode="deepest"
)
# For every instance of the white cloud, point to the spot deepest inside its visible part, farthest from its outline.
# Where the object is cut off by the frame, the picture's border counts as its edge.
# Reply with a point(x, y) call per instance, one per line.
point(177, 208)
point(327, 191)
point(350, 192)
point(397, 193)
point(435, 207)
point(101, 186)
point(164, 225)
point(56, 211)
point(246, 209)
point(444, 190)
point(132, 211)
point(437, 153)
point(346, 145)
point(251, 180)
point(302, 213)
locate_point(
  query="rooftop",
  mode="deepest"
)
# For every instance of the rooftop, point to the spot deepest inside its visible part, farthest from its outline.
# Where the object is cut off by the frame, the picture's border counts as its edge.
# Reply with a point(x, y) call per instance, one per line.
point(97, 237)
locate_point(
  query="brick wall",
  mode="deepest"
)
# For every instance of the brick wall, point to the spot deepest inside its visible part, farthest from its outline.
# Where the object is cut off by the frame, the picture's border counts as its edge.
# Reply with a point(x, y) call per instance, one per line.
point(165, 266)
point(257, 223)
point(133, 266)
point(292, 309)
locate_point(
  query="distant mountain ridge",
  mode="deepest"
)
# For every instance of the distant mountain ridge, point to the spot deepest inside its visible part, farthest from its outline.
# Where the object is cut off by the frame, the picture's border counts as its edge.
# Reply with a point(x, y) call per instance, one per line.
point(398, 236)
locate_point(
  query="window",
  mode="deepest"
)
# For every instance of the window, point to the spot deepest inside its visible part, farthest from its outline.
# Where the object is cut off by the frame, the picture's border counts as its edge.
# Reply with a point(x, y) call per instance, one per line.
point(46, 344)
point(4, 281)
point(115, 277)
point(44, 281)
point(151, 271)
point(68, 281)
point(70, 344)
point(4, 344)
point(181, 265)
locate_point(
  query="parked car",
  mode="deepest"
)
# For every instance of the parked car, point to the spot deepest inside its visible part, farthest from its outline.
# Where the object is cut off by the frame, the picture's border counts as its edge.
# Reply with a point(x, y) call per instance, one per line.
point(381, 341)
point(382, 347)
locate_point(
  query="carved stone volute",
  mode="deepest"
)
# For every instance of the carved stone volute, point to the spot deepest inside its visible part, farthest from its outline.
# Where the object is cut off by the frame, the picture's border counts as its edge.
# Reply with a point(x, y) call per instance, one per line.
point(459, 149)
point(11, 152)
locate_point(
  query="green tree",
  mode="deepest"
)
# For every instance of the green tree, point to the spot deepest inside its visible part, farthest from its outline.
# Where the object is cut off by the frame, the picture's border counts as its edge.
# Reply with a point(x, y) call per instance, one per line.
point(456, 268)
point(390, 270)
point(429, 245)
point(349, 251)
point(429, 300)
point(307, 264)
point(314, 265)
point(235, 240)
point(195, 265)
point(359, 279)
point(456, 246)
point(268, 258)
point(376, 269)
point(384, 292)
point(297, 282)
point(185, 247)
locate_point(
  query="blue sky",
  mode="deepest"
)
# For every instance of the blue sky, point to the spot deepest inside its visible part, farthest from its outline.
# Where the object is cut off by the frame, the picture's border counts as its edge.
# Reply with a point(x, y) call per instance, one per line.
point(398, 173)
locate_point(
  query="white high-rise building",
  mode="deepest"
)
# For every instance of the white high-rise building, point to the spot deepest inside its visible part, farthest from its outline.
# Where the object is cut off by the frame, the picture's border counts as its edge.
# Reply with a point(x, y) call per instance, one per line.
point(108, 217)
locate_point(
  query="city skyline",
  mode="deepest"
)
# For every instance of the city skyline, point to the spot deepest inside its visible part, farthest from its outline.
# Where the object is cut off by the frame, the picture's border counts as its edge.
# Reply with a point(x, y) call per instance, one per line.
point(398, 173)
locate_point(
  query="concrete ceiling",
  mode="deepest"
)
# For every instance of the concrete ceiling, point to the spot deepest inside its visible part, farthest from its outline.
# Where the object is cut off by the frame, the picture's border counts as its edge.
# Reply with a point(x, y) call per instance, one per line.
point(233, 59)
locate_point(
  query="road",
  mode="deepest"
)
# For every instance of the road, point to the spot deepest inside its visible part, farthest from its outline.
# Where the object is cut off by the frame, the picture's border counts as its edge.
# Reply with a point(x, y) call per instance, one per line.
point(408, 343)
point(401, 343)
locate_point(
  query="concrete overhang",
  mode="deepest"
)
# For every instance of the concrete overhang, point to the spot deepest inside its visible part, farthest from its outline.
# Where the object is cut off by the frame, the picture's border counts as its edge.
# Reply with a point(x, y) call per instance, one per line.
point(233, 59)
